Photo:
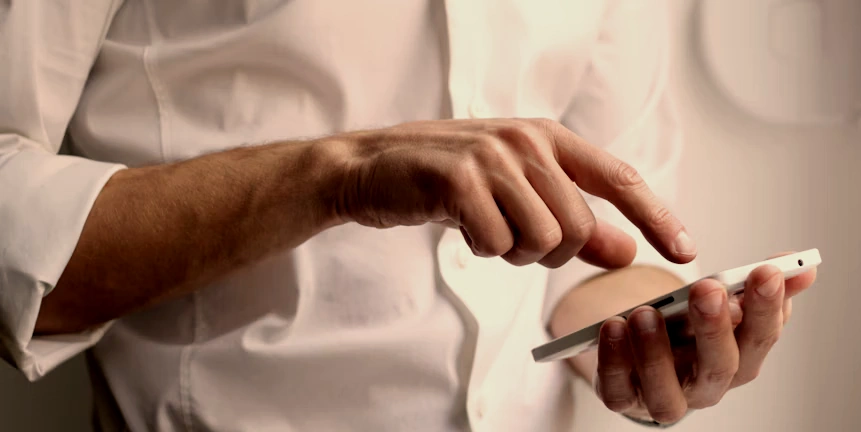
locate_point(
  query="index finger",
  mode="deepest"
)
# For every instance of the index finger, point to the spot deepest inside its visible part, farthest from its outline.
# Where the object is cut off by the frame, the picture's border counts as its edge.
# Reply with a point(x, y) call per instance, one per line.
point(601, 174)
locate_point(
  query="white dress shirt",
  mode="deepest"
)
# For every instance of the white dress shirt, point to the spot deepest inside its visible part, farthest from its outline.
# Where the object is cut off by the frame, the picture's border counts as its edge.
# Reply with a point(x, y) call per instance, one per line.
point(400, 329)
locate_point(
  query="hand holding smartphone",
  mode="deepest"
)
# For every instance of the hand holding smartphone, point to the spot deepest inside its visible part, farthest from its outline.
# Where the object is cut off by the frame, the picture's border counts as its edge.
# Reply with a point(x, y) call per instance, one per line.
point(675, 303)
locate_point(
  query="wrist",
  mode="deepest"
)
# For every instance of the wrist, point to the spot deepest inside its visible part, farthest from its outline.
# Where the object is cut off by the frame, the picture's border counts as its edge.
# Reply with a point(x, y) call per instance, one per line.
point(289, 186)
point(353, 179)
point(331, 164)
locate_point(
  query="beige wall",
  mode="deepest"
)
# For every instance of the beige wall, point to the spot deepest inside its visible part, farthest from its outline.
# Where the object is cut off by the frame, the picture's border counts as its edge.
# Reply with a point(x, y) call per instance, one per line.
point(752, 190)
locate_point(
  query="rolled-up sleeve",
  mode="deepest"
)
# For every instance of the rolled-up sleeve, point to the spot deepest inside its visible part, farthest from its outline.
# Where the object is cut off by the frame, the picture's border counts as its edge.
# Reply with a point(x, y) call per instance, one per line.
point(47, 49)
point(625, 106)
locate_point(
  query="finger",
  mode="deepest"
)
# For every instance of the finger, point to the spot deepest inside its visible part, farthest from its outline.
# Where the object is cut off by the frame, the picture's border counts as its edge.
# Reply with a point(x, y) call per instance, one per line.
point(735, 311)
point(799, 283)
point(681, 329)
point(760, 328)
point(483, 227)
point(659, 384)
point(717, 352)
point(596, 242)
point(564, 201)
point(615, 364)
point(600, 174)
point(536, 231)
point(787, 310)
point(609, 247)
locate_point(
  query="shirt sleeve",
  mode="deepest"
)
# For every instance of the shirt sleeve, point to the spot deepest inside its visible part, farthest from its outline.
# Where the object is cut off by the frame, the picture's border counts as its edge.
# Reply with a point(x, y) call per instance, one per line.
point(624, 105)
point(47, 49)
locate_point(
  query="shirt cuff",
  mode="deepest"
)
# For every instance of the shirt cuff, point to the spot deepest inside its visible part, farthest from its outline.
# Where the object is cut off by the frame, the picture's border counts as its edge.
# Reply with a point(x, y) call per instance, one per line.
point(561, 280)
point(44, 201)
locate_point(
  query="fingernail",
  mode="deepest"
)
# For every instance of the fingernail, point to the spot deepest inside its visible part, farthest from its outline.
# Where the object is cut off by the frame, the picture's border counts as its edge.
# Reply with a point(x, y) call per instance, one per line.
point(770, 287)
point(646, 321)
point(685, 245)
point(710, 304)
point(615, 330)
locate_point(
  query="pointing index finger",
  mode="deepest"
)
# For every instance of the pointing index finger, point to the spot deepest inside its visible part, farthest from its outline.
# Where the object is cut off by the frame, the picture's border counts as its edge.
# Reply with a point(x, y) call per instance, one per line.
point(601, 174)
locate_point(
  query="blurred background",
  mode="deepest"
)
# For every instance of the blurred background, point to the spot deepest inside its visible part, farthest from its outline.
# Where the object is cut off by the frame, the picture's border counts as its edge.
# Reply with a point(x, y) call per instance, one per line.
point(758, 179)
point(753, 187)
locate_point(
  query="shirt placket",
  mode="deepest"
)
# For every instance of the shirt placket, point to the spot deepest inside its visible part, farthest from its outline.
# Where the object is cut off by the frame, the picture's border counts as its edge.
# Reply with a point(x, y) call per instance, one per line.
point(466, 58)
point(464, 30)
point(472, 280)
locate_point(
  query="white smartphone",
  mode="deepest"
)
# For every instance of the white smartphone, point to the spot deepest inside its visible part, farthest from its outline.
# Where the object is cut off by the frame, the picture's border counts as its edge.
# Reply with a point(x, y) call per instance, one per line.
point(674, 303)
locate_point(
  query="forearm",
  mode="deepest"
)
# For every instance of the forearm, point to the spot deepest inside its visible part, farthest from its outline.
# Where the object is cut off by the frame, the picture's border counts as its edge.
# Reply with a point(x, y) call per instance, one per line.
point(162, 231)
point(602, 297)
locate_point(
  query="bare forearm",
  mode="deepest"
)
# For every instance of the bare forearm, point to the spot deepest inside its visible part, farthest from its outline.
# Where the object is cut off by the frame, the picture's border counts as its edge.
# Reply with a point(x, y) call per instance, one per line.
point(159, 232)
point(602, 297)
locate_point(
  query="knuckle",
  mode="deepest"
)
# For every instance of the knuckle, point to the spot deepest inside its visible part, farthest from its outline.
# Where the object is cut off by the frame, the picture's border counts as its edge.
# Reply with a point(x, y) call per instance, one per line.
point(546, 123)
point(709, 401)
point(551, 239)
point(720, 375)
point(546, 241)
point(624, 175)
point(746, 377)
point(583, 228)
point(554, 262)
point(713, 334)
point(713, 401)
point(518, 257)
point(521, 138)
point(661, 217)
point(465, 167)
point(547, 126)
point(613, 373)
point(667, 412)
point(766, 341)
point(513, 132)
point(653, 367)
point(762, 311)
point(489, 150)
point(494, 247)
point(465, 176)
point(619, 405)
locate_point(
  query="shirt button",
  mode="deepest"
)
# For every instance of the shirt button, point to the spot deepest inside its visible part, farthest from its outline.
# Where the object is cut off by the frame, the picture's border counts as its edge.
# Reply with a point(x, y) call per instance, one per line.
point(478, 110)
point(462, 256)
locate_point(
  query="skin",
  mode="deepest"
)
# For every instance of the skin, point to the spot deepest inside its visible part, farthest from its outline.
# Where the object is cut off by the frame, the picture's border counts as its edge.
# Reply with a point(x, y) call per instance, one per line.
point(163, 231)
point(510, 186)
point(648, 369)
point(159, 232)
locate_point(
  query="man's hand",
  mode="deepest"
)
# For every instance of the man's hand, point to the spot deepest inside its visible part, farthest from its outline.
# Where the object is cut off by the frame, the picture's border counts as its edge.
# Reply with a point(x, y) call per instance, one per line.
point(646, 371)
point(511, 187)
